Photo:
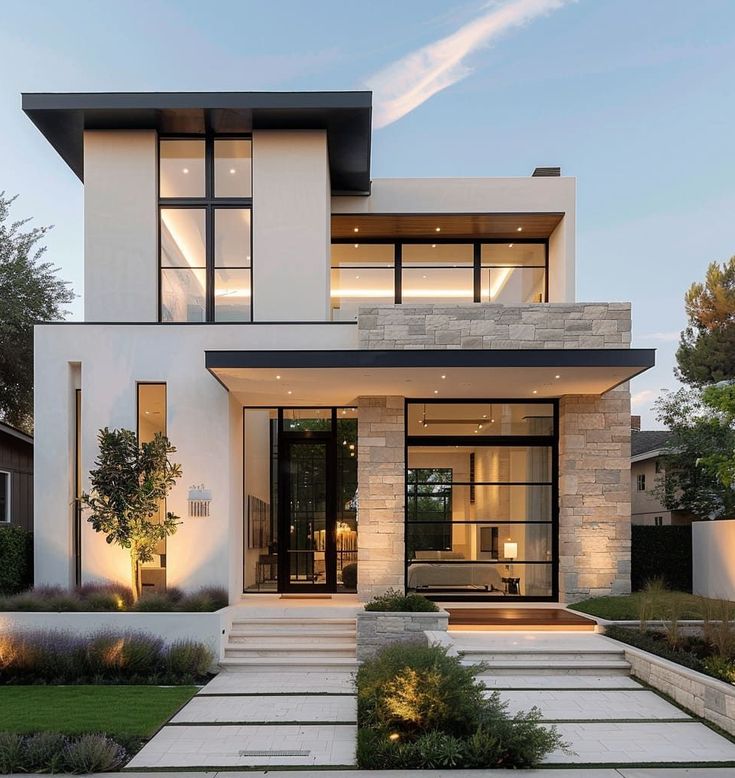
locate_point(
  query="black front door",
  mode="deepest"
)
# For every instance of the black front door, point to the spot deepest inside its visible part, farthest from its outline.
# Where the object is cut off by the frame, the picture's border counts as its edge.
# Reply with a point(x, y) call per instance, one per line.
point(307, 554)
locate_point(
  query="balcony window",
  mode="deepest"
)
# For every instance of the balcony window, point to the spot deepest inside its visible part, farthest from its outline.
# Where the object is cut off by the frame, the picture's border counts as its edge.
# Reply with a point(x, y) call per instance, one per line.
point(205, 230)
point(362, 274)
point(513, 273)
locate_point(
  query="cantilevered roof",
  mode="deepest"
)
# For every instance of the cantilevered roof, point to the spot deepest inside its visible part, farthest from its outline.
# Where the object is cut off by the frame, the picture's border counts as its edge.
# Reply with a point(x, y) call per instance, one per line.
point(346, 116)
point(338, 377)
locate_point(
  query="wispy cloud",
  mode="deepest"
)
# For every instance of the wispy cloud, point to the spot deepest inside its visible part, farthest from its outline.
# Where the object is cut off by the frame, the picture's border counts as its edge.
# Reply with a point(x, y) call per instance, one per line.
point(665, 337)
point(410, 81)
point(643, 398)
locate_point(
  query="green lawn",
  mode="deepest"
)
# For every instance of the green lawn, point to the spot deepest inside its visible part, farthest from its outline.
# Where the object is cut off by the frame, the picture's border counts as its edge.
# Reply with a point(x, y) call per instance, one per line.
point(627, 607)
point(119, 711)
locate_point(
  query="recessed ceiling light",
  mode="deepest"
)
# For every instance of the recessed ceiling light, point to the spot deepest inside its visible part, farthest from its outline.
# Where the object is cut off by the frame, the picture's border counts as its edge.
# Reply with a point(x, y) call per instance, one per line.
point(436, 391)
point(357, 245)
point(278, 378)
point(433, 245)
point(356, 229)
point(185, 170)
point(484, 416)
point(534, 392)
point(290, 392)
point(438, 229)
point(232, 171)
point(557, 376)
point(492, 421)
point(510, 245)
point(357, 277)
point(519, 229)
point(443, 376)
point(424, 276)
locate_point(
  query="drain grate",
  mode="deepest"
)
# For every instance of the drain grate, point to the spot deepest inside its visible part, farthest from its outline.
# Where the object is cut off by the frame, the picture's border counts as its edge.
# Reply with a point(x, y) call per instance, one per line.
point(274, 753)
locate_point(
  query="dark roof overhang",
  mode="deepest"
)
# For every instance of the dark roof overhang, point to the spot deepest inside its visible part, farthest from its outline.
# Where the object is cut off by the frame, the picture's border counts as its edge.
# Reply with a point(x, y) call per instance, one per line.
point(346, 116)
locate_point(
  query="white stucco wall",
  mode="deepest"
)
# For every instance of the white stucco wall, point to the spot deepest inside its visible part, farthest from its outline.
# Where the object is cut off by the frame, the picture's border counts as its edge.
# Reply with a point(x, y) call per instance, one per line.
point(120, 225)
point(713, 559)
point(291, 226)
point(484, 195)
point(204, 423)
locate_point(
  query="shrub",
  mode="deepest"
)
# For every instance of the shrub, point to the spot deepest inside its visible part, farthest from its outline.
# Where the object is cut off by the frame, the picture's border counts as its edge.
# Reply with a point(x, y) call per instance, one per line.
point(93, 754)
point(187, 658)
point(16, 559)
point(349, 575)
point(720, 667)
point(44, 752)
point(155, 601)
point(419, 708)
point(60, 657)
point(661, 552)
point(393, 600)
point(207, 599)
point(11, 752)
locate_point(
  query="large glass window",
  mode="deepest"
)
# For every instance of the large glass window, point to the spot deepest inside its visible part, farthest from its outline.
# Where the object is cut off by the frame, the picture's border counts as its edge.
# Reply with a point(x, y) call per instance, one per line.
point(362, 274)
point(205, 229)
point(480, 505)
point(441, 272)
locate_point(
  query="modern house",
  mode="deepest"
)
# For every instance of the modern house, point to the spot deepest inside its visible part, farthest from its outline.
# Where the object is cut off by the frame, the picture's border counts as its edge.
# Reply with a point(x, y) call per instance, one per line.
point(647, 448)
point(16, 477)
point(369, 383)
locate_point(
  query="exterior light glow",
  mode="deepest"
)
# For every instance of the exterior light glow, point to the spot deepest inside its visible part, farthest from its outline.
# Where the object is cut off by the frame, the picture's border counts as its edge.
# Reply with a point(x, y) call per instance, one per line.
point(232, 171)
point(290, 392)
point(433, 245)
point(356, 229)
point(185, 170)
point(557, 376)
point(436, 391)
point(510, 245)
point(534, 392)
point(519, 229)
point(278, 378)
point(438, 229)
point(394, 736)
point(443, 377)
point(357, 245)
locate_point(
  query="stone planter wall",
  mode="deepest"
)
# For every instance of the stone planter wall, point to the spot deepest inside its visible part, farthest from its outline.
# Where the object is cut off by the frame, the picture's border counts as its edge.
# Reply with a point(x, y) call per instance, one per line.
point(706, 697)
point(376, 629)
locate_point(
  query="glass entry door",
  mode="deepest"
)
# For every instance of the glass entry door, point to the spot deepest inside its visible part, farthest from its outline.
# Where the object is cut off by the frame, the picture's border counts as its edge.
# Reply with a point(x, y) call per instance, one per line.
point(307, 536)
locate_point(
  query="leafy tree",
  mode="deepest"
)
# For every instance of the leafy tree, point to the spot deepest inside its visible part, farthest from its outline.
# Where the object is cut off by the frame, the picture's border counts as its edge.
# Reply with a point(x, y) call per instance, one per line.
point(706, 351)
point(30, 292)
point(701, 436)
point(721, 463)
point(128, 486)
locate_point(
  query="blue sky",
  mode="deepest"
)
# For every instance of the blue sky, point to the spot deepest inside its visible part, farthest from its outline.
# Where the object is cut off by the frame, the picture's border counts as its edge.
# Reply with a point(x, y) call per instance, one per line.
point(633, 97)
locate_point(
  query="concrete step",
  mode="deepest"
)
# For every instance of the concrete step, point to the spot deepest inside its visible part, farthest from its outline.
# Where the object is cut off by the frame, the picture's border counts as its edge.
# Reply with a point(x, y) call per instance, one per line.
point(549, 656)
point(289, 664)
point(597, 667)
point(296, 651)
point(305, 637)
point(240, 622)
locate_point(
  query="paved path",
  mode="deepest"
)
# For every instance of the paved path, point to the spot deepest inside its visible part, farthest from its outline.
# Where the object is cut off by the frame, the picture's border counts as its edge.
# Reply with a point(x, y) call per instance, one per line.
point(251, 719)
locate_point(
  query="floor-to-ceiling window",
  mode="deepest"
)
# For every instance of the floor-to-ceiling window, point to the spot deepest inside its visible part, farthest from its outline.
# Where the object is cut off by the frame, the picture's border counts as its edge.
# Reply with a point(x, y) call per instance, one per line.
point(481, 499)
point(373, 271)
point(205, 196)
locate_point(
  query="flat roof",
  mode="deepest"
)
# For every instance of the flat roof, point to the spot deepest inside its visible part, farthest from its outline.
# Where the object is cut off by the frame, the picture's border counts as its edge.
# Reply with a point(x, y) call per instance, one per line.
point(346, 116)
point(337, 377)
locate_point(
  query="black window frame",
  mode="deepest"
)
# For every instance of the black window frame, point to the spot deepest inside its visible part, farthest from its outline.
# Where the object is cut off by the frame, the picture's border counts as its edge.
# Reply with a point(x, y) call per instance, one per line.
point(551, 441)
point(7, 477)
point(641, 482)
point(209, 203)
point(477, 266)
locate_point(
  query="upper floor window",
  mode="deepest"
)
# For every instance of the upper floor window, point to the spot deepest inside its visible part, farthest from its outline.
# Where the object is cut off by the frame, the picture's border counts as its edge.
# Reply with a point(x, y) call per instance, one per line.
point(641, 482)
point(449, 271)
point(4, 496)
point(205, 196)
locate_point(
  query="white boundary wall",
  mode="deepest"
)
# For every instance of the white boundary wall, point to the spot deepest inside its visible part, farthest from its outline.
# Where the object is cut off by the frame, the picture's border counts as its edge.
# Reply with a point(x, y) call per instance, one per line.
point(713, 558)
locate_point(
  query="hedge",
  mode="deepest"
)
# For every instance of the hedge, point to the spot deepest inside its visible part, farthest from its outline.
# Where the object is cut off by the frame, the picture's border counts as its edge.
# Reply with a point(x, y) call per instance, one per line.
point(662, 552)
point(16, 559)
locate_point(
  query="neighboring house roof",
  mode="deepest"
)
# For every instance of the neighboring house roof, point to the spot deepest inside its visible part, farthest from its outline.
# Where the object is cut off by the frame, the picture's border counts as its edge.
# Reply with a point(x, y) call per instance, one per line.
point(645, 444)
point(6, 429)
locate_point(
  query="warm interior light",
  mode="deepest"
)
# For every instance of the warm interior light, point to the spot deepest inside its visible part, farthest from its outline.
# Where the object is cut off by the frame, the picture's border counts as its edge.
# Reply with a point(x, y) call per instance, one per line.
point(232, 171)
point(533, 392)
point(443, 376)
point(433, 245)
point(185, 170)
point(278, 378)
point(290, 392)
point(557, 376)
point(357, 245)
point(510, 245)
point(356, 229)
point(436, 391)
point(510, 550)
point(519, 229)
point(438, 229)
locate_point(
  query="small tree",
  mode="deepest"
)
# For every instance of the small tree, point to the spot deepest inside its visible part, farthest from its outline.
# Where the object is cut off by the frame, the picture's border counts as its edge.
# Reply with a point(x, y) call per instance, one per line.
point(706, 351)
point(128, 485)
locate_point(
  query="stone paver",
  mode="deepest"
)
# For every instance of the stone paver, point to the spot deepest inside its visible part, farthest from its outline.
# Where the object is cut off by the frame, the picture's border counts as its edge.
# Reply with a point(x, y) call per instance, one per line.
point(227, 746)
point(282, 708)
point(281, 682)
point(576, 704)
point(641, 742)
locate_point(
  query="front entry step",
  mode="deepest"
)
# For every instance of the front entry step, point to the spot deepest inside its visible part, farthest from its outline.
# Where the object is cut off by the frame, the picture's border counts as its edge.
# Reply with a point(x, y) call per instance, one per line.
point(291, 643)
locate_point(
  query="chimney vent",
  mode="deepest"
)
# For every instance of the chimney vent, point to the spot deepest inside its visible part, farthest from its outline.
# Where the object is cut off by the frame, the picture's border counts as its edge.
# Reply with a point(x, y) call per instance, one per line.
point(635, 423)
point(541, 172)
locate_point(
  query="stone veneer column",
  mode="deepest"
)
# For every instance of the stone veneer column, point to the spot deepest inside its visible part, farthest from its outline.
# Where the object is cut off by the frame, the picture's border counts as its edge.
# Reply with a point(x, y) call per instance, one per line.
point(594, 495)
point(381, 491)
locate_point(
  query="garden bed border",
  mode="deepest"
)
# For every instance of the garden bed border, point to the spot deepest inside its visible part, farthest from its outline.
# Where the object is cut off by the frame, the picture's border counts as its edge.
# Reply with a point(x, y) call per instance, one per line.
point(700, 694)
point(203, 627)
point(377, 629)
